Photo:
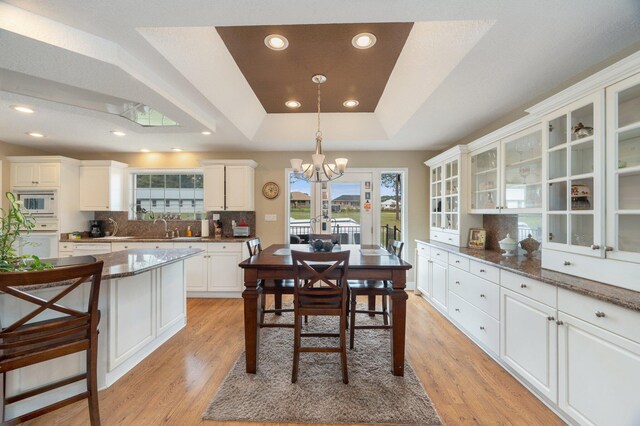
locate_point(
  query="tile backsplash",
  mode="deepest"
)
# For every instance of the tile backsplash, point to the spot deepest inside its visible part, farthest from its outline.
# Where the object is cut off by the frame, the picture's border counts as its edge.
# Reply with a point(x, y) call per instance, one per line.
point(498, 226)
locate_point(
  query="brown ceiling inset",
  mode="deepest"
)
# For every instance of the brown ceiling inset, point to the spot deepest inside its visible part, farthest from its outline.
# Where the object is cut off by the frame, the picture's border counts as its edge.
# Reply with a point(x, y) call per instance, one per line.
point(278, 76)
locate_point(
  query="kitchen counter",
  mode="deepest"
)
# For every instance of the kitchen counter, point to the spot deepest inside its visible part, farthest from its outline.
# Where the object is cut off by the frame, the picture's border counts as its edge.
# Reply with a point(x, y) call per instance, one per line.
point(159, 240)
point(532, 268)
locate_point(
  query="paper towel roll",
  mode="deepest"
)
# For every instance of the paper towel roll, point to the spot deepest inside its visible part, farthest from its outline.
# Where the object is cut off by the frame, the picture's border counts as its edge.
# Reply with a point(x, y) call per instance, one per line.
point(204, 228)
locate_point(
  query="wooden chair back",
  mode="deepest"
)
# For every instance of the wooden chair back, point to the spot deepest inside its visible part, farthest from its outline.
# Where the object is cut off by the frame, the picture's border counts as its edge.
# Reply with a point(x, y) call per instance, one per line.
point(28, 340)
point(254, 246)
point(320, 281)
point(396, 247)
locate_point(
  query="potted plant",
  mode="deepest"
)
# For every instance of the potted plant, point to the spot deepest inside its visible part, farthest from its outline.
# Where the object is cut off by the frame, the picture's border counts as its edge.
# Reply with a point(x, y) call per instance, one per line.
point(14, 223)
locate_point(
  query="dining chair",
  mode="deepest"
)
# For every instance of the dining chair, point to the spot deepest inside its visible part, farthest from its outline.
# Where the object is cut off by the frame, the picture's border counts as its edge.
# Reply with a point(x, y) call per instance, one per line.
point(372, 288)
point(275, 287)
point(320, 289)
point(67, 330)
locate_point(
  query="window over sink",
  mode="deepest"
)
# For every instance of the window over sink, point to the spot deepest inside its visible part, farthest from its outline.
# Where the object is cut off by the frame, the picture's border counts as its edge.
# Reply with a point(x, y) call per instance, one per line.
point(169, 194)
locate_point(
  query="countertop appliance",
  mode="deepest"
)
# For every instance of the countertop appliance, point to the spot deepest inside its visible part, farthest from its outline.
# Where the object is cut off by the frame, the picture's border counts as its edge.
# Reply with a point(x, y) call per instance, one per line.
point(39, 203)
point(95, 228)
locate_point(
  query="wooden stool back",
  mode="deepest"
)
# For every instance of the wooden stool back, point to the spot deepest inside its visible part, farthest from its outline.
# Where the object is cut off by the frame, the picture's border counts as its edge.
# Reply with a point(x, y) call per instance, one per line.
point(26, 342)
point(254, 246)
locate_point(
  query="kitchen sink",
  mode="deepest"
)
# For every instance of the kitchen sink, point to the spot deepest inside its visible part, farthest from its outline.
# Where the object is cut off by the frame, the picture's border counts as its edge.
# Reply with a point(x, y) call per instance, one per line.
point(185, 238)
point(112, 238)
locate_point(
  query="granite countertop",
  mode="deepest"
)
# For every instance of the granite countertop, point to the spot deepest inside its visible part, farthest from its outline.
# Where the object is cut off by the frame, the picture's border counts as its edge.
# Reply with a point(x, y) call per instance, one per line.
point(127, 263)
point(532, 268)
point(160, 240)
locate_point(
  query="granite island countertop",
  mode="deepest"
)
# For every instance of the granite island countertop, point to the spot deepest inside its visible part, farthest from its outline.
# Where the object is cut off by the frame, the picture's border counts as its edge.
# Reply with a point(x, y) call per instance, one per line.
point(134, 239)
point(532, 268)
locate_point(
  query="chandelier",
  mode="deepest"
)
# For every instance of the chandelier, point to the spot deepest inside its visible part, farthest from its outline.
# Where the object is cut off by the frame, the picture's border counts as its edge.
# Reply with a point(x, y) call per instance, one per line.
point(318, 170)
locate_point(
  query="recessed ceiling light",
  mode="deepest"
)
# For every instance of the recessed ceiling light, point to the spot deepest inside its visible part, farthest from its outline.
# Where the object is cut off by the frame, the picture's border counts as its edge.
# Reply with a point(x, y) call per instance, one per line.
point(144, 150)
point(118, 133)
point(363, 40)
point(292, 104)
point(23, 109)
point(36, 135)
point(176, 149)
point(206, 133)
point(276, 42)
point(351, 103)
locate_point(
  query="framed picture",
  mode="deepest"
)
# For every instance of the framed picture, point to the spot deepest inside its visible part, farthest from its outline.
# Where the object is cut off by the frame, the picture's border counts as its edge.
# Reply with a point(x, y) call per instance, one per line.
point(477, 238)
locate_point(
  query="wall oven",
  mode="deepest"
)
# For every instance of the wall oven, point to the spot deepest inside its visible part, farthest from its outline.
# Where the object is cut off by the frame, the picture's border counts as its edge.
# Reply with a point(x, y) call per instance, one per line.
point(42, 241)
point(39, 203)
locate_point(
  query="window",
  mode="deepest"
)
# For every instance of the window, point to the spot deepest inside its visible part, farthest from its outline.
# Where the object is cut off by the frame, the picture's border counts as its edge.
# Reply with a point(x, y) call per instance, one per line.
point(168, 194)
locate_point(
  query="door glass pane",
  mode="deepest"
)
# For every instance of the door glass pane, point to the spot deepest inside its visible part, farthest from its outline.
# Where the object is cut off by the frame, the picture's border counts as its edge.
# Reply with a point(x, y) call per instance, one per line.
point(629, 232)
point(629, 148)
point(582, 158)
point(629, 106)
point(582, 122)
point(582, 230)
point(629, 191)
point(454, 168)
point(558, 196)
point(581, 194)
point(558, 131)
point(557, 163)
point(484, 179)
point(452, 221)
point(523, 171)
point(391, 206)
point(558, 228)
point(299, 208)
point(345, 209)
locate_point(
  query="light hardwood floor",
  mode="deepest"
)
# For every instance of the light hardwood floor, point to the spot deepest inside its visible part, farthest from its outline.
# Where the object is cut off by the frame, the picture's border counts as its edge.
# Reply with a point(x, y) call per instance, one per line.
point(175, 384)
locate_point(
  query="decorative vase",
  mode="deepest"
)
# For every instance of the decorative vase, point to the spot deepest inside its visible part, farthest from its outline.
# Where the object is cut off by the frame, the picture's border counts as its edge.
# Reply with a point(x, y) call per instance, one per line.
point(529, 245)
point(509, 245)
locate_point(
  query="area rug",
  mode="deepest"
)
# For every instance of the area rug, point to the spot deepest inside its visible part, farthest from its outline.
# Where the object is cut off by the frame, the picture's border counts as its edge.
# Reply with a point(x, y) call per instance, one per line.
point(373, 395)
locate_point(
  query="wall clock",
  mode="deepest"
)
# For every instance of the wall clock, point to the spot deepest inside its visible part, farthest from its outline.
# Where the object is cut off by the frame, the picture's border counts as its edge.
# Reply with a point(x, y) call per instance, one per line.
point(270, 190)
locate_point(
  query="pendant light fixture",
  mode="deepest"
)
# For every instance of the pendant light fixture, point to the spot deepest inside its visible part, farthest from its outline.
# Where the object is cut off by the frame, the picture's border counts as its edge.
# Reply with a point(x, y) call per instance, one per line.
point(318, 170)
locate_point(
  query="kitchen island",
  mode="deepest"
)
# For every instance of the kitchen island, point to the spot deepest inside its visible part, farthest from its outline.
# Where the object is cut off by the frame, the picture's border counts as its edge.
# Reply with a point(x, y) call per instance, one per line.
point(142, 304)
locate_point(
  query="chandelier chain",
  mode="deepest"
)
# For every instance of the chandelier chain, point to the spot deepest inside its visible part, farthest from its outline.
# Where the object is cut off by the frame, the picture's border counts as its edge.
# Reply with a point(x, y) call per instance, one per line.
point(319, 132)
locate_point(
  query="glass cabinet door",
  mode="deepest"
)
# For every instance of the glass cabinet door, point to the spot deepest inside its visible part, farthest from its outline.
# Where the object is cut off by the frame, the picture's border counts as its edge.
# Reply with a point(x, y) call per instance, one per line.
point(451, 195)
point(574, 206)
point(623, 170)
point(436, 197)
point(484, 180)
point(522, 171)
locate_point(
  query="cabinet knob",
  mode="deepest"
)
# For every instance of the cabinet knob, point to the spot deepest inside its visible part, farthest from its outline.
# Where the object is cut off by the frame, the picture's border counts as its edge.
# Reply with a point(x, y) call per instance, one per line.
point(481, 327)
point(523, 286)
point(497, 208)
point(224, 247)
point(106, 207)
point(157, 246)
point(126, 246)
point(600, 314)
point(559, 322)
point(566, 263)
point(482, 295)
point(437, 254)
point(482, 270)
point(550, 318)
point(457, 310)
point(595, 247)
point(450, 239)
point(457, 261)
point(607, 248)
point(458, 282)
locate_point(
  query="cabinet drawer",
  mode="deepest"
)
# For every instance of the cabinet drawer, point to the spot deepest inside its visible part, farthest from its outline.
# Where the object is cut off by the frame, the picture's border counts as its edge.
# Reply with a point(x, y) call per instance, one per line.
point(480, 325)
point(65, 246)
point(539, 291)
point(225, 247)
point(483, 294)
point(444, 237)
point(422, 249)
point(613, 318)
point(201, 246)
point(459, 261)
point(490, 273)
point(439, 255)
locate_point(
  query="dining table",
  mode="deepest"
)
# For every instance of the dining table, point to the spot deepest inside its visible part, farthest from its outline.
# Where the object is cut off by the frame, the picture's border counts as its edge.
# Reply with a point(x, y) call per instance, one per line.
point(366, 262)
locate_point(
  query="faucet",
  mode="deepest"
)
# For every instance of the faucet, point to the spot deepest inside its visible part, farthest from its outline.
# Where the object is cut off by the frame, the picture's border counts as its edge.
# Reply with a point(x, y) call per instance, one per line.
point(176, 232)
point(166, 230)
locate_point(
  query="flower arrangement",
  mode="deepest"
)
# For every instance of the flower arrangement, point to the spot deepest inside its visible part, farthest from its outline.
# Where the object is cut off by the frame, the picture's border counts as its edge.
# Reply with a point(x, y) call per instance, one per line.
point(14, 222)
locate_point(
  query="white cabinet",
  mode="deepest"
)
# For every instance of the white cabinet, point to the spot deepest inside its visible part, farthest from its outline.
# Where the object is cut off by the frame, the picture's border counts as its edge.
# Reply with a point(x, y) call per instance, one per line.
point(229, 185)
point(102, 186)
point(438, 280)
point(506, 175)
point(422, 263)
point(224, 273)
point(448, 201)
point(39, 175)
point(197, 267)
point(528, 340)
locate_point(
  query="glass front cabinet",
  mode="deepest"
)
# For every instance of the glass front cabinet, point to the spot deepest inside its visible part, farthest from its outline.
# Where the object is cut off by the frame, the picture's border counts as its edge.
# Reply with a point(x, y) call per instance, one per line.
point(448, 181)
point(506, 176)
point(574, 177)
point(623, 170)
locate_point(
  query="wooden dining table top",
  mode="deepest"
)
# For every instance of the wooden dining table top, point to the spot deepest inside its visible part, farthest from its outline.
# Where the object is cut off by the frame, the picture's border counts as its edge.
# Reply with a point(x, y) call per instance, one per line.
point(274, 256)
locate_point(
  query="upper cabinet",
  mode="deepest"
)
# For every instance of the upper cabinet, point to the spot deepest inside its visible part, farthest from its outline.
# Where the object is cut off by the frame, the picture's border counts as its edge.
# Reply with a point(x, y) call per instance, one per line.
point(506, 175)
point(35, 175)
point(575, 180)
point(229, 185)
point(448, 205)
point(623, 170)
point(102, 186)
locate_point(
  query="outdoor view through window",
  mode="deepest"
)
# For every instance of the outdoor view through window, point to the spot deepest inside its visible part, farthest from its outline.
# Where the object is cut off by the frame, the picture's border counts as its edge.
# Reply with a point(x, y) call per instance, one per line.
point(172, 196)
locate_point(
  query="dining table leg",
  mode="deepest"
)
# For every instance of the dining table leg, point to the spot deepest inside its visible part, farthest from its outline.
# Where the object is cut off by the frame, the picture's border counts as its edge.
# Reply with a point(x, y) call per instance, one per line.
point(398, 311)
point(372, 304)
point(251, 296)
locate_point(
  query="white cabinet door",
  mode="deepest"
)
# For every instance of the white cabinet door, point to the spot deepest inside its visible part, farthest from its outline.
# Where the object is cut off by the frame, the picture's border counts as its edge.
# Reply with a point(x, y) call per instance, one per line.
point(599, 374)
point(171, 296)
point(48, 174)
point(528, 337)
point(214, 188)
point(422, 274)
point(239, 188)
point(24, 174)
point(95, 188)
point(224, 273)
point(196, 267)
point(439, 284)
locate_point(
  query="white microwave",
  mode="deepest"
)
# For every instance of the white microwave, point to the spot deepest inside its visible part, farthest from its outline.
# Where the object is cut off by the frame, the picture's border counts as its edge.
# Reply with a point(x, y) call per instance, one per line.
point(40, 203)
